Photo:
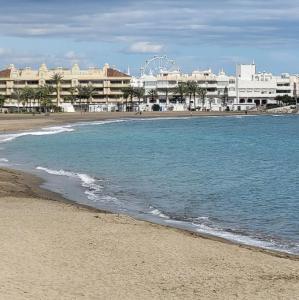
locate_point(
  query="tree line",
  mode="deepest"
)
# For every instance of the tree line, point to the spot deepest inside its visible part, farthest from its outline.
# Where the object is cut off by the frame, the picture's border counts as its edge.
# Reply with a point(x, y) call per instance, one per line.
point(40, 98)
point(190, 89)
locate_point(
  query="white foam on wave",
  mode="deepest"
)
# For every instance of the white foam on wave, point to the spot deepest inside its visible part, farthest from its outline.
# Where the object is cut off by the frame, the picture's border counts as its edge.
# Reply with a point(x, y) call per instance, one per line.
point(233, 236)
point(54, 129)
point(93, 188)
point(230, 236)
point(202, 218)
point(43, 131)
point(86, 181)
point(104, 122)
point(157, 212)
point(3, 160)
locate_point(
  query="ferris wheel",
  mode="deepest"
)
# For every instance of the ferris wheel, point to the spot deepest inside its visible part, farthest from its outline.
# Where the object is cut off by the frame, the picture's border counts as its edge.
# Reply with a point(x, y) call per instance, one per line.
point(158, 65)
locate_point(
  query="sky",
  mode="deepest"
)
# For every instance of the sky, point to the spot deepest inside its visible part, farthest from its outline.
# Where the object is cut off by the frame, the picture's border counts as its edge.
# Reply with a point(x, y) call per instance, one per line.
point(197, 34)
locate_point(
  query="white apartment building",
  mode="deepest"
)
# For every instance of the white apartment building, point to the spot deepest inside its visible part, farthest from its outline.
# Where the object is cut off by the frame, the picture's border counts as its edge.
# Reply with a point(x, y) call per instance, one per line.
point(248, 89)
point(258, 89)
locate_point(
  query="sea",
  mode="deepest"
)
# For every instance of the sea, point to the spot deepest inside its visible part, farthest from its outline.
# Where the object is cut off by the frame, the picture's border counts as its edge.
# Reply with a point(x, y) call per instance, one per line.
point(234, 177)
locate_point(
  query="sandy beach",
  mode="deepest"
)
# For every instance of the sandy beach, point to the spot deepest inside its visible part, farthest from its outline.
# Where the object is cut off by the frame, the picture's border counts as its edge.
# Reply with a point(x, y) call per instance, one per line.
point(54, 249)
point(14, 122)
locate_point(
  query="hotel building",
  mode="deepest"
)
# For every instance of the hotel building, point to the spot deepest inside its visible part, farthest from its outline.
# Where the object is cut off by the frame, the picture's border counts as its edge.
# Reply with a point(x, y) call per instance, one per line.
point(107, 82)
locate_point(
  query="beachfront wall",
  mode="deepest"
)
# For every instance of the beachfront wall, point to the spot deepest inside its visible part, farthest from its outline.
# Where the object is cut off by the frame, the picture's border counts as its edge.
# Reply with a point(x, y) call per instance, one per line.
point(107, 82)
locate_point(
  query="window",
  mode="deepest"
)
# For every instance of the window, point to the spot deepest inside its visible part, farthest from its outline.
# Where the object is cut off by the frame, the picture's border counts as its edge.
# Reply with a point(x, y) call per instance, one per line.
point(32, 82)
point(283, 91)
point(19, 82)
point(96, 81)
point(66, 82)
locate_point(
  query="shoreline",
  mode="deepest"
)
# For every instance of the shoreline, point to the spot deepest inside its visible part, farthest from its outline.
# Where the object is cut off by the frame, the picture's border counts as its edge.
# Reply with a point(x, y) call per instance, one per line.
point(39, 192)
point(20, 122)
point(54, 248)
point(33, 185)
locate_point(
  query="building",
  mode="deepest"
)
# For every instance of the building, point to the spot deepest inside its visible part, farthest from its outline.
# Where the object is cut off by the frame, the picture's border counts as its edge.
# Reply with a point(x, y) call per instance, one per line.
point(257, 89)
point(246, 90)
point(107, 83)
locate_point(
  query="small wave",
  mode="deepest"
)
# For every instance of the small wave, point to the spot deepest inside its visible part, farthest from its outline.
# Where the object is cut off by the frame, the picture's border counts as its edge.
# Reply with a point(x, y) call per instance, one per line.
point(54, 129)
point(93, 123)
point(157, 212)
point(3, 160)
point(43, 131)
point(233, 236)
point(86, 181)
point(202, 218)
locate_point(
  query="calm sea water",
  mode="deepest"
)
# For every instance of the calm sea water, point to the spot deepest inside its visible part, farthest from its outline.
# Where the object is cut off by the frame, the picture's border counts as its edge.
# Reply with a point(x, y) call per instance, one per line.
point(234, 177)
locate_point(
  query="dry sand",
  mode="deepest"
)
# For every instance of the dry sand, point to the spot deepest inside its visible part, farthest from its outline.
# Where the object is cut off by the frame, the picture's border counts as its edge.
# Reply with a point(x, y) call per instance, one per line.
point(59, 250)
point(14, 122)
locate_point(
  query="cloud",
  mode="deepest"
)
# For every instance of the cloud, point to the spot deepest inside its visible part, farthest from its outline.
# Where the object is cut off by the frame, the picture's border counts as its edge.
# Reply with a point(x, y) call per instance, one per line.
point(213, 31)
point(24, 58)
point(145, 47)
point(229, 22)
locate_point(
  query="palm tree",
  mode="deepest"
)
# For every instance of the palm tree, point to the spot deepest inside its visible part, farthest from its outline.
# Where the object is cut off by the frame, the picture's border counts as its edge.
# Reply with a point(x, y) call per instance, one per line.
point(28, 95)
point(180, 90)
point(126, 94)
point(89, 92)
point(210, 100)
point(17, 95)
point(2, 101)
point(44, 96)
point(57, 78)
point(191, 89)
point(153, 95)
point(202, 92)
point(139, 93)
point(225, 97)
point(129, 92)
point(85, 92)
point(40, 95)
point(165, 91)
point(73, 95)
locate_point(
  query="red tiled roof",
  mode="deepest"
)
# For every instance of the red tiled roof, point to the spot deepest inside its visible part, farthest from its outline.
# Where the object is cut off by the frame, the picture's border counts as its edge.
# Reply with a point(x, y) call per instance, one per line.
point(115, 73)
point(5, 73)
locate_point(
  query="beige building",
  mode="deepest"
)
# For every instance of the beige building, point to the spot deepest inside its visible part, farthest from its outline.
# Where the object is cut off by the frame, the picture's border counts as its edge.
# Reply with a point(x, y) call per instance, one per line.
point(107, 82)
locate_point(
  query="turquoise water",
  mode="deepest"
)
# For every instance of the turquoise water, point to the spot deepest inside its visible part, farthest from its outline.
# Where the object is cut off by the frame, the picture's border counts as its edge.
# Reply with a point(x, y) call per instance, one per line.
point(234, 177)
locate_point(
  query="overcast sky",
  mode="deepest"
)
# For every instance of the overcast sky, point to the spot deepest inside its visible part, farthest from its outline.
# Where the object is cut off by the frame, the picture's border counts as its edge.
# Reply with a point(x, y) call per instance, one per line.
point(196, 33)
